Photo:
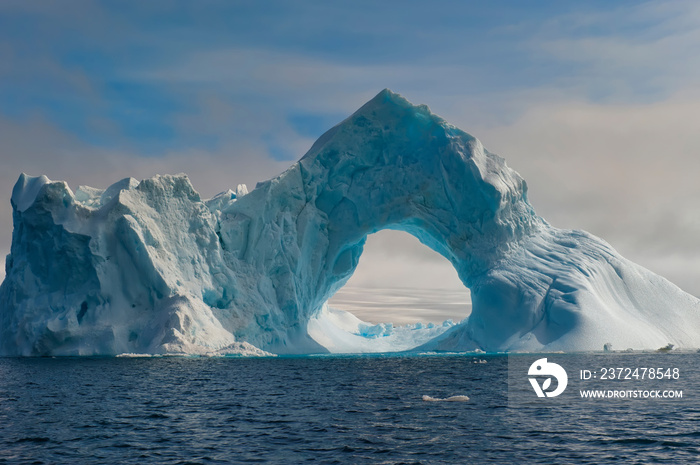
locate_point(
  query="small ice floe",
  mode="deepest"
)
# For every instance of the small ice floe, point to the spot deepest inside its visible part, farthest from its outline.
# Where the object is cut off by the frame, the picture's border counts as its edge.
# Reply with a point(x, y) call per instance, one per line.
point(668, 348)
point(447, 399)
point(479, 361)
point(132, 355)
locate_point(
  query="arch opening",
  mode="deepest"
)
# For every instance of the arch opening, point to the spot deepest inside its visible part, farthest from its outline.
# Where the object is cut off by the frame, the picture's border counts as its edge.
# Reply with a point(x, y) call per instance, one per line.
point(401, 281)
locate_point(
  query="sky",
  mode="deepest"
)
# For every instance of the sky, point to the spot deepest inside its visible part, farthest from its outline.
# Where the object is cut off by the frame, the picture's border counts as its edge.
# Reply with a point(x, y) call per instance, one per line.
point(594, 103)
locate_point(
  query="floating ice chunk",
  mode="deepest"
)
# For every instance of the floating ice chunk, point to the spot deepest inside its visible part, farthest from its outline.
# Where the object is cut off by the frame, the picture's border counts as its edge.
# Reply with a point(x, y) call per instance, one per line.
point(667, 348)
point(132, 355)
point(459, 398)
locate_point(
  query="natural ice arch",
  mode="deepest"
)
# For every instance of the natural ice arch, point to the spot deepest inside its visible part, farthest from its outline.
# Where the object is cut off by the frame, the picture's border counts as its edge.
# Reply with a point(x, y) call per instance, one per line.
point(398, 280)
point(154, 268)
point(391, 165)
point(397, 166)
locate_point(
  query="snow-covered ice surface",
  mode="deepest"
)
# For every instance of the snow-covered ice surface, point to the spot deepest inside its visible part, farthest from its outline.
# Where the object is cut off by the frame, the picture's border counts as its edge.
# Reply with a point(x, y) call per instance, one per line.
point(149, 267)
point(342, 332)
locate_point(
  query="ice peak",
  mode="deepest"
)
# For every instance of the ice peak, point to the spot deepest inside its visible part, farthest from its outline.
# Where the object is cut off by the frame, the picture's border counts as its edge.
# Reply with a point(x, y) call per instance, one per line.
point(388, 113)
point(26, 189)
point(387, 96)
point(387, 102)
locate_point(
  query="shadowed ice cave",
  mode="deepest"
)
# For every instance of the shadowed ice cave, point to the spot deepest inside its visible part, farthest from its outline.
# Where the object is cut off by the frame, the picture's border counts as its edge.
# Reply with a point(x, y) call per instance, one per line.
point(151, 267)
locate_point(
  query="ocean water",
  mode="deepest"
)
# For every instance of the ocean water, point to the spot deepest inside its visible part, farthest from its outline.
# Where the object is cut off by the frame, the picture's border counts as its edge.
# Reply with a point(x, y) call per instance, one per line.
point(361, 409)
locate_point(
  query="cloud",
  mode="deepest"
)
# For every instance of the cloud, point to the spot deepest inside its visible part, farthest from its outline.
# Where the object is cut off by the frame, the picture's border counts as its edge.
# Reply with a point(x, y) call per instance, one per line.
point(622, 54)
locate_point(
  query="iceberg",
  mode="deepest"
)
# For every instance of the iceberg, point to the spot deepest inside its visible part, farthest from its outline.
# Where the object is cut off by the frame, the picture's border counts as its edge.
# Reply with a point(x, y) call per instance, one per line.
point(149, 267)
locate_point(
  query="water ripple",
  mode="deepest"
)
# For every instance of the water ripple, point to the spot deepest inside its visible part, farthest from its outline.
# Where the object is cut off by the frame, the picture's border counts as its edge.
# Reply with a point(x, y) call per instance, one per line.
point(324, 409)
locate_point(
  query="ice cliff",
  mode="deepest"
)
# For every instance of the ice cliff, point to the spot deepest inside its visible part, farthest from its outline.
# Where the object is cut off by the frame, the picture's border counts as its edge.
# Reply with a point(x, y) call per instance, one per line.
point(150, 267)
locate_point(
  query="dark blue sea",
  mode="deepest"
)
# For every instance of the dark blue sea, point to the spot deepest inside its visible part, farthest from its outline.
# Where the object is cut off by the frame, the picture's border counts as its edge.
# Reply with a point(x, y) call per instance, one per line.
point(344, 410)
